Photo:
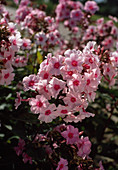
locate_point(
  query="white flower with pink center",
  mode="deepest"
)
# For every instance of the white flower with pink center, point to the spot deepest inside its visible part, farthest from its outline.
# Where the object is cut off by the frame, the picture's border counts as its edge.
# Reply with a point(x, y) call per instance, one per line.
point(62, 164)
point(16, 41)
point(12, 27)
point(66, 73)
point(114, 58)
point(30, 82)
point(7, 76)
point(55, 64)
point(38, 104)
point(40, 38)
point(44, 75)
point(62, 111)
point(8, 56)
point(72, 99)
point(76, 83)
point(90, 46)
point(91, 82)
point(52, 39)
point(19, 61)
point(42, 89)
point(108, 70)
point(48, 114)
point(71, 135)
point(75, 61)
point(26, 44)
point(84, 147)
point(55, 86)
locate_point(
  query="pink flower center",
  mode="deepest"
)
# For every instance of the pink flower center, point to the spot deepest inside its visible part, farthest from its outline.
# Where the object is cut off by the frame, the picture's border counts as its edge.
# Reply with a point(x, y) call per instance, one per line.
point(73, 99)
point(40, 38)
point(17, 60)
point(31, 83)
point(77, 14)
point(74, 63)
point(91, 7)
point(61, 166)
point(47, 112)
point(70, 135)
point(56, 87)
point(64, 111)
point(45, 89)
point(88, 82)
point(52, 38)
point(90, 60)
point(14, 42)
point(39, 104)
point(6, 75)
point(116, 59)
point(76, 83)
point(9, 57)
point(45, 75)
point(25, 44)
point(56, 65)
point(70, 73)
point(86, 66)
point(108, 70)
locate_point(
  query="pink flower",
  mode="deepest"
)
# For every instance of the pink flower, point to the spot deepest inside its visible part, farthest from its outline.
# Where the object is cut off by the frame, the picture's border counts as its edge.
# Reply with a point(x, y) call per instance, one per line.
point(84, 147)
point(74, 61)
point(26, 44)
point(91, 6)
point(7, 76)
point(55, 64)
point(76, 83)
point(72, 99)
point(19, 149)
point(42, 89)
point(44, 75)
point(48, 114)
point(55, 86)
point(40, 38)
point(71, 135)
point(52, 39)
point(101, 166)
point(18, 100)
point(38, 104)
point(62, 164)
point(76, 14)
point(62, 111)
point(16, 41)
point(26, 158)
point(91, 82)
point(30, 82)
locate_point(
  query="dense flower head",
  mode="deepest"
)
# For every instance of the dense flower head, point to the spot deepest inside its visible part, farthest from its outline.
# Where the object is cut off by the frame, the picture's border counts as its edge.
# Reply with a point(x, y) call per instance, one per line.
point(68, 81)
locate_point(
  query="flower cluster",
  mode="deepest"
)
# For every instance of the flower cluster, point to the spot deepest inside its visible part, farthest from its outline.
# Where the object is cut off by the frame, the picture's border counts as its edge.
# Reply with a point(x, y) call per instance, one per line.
point(64, 85)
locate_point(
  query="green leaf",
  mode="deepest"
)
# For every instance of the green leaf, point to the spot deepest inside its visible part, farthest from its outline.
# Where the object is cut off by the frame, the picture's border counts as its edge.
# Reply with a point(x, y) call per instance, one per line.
point(39, 58)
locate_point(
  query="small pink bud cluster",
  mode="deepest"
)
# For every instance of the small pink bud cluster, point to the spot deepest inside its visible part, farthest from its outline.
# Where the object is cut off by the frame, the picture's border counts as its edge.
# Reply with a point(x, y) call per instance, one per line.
point(73, 13)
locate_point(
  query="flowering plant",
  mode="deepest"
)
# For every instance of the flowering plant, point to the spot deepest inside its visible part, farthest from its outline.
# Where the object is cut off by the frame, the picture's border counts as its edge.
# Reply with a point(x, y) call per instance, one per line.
point(61, 91)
